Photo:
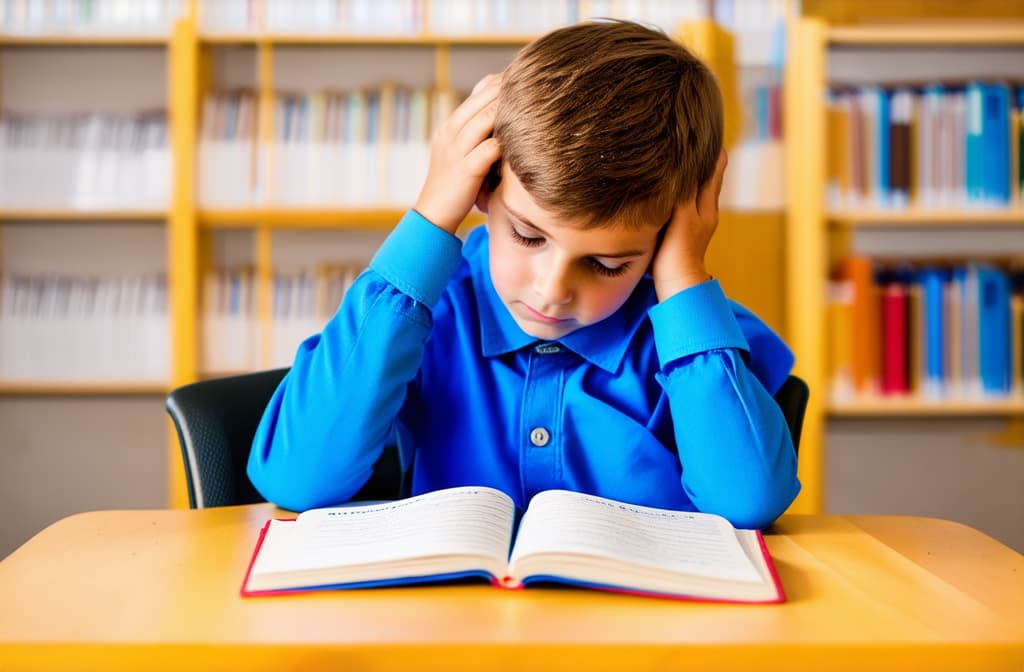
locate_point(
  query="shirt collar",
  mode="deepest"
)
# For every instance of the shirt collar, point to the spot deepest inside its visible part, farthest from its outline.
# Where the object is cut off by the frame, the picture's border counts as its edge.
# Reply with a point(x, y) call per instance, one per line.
point(603, 344)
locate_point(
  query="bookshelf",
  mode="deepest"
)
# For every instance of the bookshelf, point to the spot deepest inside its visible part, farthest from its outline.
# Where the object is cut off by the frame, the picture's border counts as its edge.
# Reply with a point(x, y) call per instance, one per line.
point(818, 236)
point(85, 439)
point(266, 58)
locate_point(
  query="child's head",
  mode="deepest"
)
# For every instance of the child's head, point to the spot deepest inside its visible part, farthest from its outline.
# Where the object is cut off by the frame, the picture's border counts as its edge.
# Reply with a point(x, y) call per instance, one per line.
point(609, 122)
point(604, 128)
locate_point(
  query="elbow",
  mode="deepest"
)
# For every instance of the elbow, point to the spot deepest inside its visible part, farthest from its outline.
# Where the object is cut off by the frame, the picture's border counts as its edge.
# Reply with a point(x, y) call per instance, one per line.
point(295, 481)
point(753, 500)
point(758, 508)
point(299, 491)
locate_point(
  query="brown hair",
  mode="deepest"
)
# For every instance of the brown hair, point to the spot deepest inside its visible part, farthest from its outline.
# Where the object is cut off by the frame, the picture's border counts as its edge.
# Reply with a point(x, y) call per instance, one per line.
point(609, 121)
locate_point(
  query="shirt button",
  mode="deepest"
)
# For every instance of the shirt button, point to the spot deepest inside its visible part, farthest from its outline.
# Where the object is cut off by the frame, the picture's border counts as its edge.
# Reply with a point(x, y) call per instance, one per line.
point(539, 436)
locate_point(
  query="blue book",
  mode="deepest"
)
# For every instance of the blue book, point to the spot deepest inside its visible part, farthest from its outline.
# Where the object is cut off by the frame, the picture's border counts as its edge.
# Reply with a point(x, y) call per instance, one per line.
point(882, 149)
point(762, 96)
point(933, 283)
point(994, 358)
point(995, 145)
point(974, 123)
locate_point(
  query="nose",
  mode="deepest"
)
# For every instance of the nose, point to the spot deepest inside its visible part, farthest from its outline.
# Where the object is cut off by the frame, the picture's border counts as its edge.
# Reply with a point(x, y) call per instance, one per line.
point(552, 282)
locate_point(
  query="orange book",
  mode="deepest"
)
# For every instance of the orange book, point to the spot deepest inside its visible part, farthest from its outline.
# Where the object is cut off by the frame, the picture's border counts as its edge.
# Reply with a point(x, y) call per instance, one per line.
point(865, 347)
point(840, 351)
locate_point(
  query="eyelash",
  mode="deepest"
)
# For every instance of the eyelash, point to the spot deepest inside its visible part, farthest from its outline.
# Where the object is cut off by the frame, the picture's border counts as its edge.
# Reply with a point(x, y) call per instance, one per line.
point(601, 269)
point(593, 264)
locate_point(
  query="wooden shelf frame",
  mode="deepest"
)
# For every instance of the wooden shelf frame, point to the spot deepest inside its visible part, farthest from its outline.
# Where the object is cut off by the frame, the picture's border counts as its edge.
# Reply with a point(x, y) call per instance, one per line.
point(812, 229)
point(383, 219)
point(347, 40)
point(908, 407)
point(82, 388)
point(85, 216)
point(84, 39)
point(946, 34)
point(1012, 217)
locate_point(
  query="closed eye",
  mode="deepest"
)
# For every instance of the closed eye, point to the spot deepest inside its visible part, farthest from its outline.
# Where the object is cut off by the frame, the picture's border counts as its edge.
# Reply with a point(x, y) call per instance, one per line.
point(525, 241)
point(607, 271)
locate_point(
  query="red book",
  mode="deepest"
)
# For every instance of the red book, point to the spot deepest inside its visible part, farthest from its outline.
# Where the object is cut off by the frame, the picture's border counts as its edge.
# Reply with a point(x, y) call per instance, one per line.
point(895, 339)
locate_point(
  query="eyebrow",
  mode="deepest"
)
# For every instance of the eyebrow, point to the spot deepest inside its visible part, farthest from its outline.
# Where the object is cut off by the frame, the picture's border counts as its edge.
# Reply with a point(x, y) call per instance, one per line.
point(526, 222)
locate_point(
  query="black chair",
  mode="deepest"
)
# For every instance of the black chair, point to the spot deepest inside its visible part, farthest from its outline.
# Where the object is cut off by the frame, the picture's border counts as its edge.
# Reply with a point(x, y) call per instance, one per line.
point(792, 399)
point(216, 420)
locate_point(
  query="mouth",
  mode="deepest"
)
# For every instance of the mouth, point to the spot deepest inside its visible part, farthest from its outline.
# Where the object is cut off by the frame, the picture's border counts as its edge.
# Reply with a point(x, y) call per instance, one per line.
point(541, 317)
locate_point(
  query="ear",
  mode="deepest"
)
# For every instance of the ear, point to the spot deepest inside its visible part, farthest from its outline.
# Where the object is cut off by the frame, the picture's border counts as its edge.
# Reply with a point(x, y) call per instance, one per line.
point(483, 198)
point(490, 183)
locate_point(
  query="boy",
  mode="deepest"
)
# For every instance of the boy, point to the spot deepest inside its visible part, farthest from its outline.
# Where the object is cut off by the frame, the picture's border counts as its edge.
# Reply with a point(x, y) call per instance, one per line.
point(576, 341)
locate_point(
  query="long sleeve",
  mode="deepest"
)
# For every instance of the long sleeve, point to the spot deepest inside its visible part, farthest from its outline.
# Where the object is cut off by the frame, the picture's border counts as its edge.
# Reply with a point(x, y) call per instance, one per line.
point(733, 442)
point(332, 414)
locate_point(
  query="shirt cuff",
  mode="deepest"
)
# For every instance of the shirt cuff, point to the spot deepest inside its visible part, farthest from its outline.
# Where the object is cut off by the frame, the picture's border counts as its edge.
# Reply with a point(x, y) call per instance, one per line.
point(695, 320)
point(418, 258)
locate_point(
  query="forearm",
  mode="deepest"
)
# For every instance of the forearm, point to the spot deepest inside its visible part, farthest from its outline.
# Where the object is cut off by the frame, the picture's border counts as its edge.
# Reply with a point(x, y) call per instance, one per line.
point(328, 421)
point(734, 445)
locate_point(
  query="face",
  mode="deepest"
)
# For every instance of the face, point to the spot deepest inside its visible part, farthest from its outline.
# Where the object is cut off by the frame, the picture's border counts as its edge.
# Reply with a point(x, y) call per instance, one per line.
point(553, 275)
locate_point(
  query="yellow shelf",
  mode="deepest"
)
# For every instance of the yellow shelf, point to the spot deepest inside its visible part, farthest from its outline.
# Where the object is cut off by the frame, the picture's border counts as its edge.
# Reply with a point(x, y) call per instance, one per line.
point(225, 373)
point(816, 235)
point(922, 217)
point(83, 388)
point(311, 218)
point(963, 33)
point(83, 39)
point(916, 406)
point(83, 215)
point(338, 39)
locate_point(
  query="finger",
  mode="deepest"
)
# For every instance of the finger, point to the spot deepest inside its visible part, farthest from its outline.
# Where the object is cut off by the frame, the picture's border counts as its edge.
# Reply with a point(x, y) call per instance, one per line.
point(480, 98)
point(683, 218)
point(483, 156)
point(686, 212)
point(707, 199)
point(487, 80)
point(476, 129)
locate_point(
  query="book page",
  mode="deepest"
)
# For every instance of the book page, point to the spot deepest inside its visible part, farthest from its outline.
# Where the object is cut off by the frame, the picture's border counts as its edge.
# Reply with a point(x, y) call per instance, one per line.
point(701, 544)
point(457, 521)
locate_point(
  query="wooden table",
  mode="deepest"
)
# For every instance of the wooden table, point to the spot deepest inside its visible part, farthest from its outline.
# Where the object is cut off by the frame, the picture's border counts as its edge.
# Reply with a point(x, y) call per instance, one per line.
point(138, 590)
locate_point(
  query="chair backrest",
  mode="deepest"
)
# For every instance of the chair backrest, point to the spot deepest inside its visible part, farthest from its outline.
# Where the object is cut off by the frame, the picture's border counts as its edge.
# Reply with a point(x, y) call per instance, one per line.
point(217, 419)
point(792, 399)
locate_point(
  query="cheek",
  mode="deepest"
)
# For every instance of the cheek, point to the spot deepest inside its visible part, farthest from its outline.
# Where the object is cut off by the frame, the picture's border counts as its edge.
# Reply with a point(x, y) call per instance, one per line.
point(508, 268)
point(605, 299)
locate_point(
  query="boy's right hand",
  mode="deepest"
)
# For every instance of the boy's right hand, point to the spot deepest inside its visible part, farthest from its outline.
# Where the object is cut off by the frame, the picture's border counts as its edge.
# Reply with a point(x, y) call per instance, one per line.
point(461, 154)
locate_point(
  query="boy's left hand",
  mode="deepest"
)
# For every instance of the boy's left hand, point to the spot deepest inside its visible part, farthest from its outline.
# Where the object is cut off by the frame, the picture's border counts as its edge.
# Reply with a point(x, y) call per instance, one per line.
point(679, 262)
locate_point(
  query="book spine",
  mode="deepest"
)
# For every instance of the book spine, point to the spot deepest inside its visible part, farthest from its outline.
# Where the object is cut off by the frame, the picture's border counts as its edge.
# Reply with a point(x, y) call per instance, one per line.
point(895, 335)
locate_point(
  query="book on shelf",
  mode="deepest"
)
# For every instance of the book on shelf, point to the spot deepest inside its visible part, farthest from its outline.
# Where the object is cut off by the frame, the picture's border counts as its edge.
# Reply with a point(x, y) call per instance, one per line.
point(939, 330)
point(934, 146)
point(895, 316)
point(562, 538)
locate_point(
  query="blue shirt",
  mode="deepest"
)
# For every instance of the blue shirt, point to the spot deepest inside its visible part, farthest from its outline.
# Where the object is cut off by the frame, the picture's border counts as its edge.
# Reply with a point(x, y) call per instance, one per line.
point(661, 404)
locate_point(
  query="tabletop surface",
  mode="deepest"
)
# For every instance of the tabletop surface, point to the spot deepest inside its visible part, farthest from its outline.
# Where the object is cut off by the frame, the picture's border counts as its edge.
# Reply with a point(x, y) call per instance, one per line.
point(169, 580)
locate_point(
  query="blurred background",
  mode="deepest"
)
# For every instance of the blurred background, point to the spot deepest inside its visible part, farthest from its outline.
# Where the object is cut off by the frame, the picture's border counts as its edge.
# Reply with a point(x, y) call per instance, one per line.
point(187, 187)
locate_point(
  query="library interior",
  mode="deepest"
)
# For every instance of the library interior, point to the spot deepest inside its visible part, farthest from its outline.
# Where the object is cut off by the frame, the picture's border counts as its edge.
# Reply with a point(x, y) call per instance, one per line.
point(188, 187)
point(191, 189)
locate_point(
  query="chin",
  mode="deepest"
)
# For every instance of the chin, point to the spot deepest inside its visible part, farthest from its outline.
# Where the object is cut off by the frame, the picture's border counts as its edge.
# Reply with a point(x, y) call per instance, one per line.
point(547, 332)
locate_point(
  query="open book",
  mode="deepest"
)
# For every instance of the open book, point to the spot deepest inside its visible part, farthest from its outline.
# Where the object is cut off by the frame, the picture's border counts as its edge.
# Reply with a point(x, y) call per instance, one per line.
point(563, 537)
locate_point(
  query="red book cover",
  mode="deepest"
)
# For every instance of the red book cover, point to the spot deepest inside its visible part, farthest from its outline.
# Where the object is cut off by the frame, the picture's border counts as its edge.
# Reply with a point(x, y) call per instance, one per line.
point(895, 333)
